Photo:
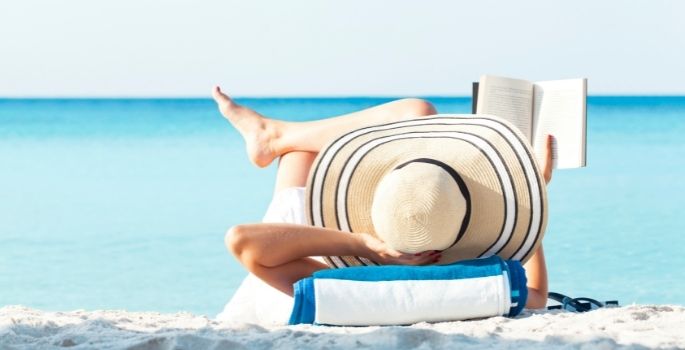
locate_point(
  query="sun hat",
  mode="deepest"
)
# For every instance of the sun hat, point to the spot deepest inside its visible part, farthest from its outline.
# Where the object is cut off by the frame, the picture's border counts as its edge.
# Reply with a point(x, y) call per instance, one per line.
point(467, 185)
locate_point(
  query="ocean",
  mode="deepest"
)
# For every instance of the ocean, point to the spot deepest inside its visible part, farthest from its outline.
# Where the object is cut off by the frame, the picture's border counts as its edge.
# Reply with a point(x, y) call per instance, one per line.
point(123, 203)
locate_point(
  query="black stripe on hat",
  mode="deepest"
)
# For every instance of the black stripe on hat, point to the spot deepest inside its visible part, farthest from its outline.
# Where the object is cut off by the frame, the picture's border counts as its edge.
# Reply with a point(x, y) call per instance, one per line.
point(462, 188)
point(516, 201)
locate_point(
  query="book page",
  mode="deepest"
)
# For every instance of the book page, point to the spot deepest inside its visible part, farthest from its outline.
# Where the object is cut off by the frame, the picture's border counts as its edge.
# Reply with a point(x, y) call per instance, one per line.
point(511, 99)
point(560, 110)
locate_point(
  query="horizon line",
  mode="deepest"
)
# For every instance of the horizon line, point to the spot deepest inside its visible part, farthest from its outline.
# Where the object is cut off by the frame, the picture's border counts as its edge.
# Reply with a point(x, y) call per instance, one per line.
point(285, 97)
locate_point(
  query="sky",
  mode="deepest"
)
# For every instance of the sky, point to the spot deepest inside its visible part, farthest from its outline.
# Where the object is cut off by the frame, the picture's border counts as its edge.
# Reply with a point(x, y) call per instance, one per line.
point(144, 48)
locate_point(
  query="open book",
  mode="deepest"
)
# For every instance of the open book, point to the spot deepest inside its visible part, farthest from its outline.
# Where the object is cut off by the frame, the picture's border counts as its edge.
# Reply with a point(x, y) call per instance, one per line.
point(556, 107)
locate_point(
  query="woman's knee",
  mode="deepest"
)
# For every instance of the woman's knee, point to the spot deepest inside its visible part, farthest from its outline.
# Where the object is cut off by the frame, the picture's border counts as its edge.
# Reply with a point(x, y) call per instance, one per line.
point(416, 107)
point(236, 239)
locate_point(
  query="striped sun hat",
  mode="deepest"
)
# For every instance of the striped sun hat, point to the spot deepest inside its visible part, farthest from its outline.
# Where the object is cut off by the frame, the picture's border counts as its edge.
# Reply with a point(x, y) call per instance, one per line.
point(467, 185)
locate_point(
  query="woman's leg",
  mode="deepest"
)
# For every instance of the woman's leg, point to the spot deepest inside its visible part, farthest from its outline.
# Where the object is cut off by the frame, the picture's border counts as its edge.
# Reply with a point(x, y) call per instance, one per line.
point(268, 138)
point(314, 135)
point(293, 169)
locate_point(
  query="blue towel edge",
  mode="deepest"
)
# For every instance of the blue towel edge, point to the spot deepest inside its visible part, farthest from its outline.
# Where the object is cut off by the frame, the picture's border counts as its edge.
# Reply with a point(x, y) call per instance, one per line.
point(304, 308)
point(517, 285)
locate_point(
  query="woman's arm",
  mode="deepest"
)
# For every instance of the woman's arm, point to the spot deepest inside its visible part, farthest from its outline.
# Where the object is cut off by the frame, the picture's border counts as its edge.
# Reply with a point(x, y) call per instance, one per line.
point(275, 244)
point(536, 268)
point(279, 253)
point(536, 273)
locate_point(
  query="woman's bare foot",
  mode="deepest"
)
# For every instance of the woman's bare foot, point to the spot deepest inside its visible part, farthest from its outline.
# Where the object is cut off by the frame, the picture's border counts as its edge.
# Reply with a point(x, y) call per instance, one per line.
point(259, 132)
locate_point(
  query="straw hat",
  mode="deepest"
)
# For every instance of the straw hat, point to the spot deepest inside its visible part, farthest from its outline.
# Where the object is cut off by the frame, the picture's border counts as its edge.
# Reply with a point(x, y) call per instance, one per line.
point(467, 185)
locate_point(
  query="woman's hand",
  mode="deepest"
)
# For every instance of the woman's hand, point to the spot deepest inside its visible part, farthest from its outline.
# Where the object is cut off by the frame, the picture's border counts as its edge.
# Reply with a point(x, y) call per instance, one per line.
point(379, 252)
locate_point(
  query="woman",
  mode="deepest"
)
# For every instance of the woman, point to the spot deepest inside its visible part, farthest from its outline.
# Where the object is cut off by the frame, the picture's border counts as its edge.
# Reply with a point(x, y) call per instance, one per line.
point(296, 144)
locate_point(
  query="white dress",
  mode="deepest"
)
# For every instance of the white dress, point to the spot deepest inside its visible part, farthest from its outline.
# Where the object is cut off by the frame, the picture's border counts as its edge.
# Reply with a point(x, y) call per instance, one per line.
point(255, 301)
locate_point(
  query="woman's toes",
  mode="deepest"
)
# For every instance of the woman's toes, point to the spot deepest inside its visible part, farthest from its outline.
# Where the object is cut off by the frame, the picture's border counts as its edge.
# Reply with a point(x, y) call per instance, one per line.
point(223, 101)
point(219, 96)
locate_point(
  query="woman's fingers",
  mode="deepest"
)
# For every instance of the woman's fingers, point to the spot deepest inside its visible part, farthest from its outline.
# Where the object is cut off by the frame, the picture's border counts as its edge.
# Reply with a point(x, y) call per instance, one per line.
point(549, 162)
point(429, 259)
point(380, 252)
point(422, 258)
point(435, 257)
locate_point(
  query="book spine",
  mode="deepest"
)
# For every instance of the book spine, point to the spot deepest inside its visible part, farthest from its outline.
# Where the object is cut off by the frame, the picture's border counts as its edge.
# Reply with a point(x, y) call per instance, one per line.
point(474, 97)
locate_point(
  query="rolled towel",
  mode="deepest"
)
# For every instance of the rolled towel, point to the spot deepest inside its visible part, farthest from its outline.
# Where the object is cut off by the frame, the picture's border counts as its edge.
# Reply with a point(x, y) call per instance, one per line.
point(399, 295)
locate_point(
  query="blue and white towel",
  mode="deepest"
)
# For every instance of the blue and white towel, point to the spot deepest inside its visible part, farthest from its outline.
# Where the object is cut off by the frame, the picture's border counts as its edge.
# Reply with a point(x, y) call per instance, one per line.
point(398, 295)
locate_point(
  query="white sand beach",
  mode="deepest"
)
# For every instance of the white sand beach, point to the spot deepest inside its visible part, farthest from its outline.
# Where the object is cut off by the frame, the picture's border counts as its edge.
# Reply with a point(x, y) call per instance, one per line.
point(636, 326)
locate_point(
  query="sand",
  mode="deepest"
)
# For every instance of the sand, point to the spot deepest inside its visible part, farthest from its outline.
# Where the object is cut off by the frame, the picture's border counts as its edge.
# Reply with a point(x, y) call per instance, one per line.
point(636, 326)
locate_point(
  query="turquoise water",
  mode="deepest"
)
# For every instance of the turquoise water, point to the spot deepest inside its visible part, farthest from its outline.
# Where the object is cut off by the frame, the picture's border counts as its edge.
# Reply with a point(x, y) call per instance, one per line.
point(123, 204)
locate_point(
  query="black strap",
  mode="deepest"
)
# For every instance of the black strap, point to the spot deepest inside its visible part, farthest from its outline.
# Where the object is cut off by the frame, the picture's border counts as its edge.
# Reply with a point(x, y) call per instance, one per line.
point(581, 304)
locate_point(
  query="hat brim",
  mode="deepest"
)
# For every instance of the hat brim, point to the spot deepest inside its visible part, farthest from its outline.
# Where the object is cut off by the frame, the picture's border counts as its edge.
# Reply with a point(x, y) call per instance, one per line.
point(508, 197)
